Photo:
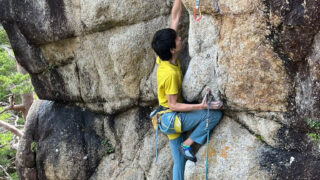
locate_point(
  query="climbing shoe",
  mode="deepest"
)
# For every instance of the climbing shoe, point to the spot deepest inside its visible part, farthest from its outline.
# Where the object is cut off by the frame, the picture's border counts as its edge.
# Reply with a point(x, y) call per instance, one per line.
point(187, 153)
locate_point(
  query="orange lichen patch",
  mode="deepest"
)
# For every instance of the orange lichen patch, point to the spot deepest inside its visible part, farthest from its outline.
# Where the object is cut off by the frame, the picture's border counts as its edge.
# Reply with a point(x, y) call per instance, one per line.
point(212, 152)
point(223, 152)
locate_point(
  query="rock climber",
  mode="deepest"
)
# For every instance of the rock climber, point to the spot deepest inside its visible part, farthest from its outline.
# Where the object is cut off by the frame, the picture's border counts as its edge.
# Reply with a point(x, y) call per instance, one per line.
point(179, 117)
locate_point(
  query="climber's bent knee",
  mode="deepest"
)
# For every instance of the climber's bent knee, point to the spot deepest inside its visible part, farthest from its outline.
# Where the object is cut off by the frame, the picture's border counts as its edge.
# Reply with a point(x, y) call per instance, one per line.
point(215, 117)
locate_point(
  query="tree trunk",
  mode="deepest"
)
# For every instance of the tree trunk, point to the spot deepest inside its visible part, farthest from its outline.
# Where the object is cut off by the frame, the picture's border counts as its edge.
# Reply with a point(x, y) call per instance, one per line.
point(27, 99)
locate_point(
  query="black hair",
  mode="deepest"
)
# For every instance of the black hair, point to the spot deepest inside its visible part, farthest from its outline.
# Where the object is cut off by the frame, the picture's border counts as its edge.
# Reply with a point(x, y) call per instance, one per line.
point(163, 41)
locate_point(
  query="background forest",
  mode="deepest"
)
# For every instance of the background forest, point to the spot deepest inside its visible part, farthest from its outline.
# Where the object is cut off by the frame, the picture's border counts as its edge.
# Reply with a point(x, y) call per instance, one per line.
point(13, 85)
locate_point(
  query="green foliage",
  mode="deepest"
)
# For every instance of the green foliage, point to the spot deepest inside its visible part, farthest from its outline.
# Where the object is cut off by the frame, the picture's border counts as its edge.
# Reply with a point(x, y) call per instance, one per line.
point(51, 67)
point(314, 136)
point(107, 146)
point(4, 116)
point(3, 37)
point(6, 154)
point(313, 124)
point(315, 127)
point(7, 66)
point(20, 121)
point(14, 176)
point(16, 84)
point(35, 96)
point(33, 146)
point(11, 82)
point(259, 137)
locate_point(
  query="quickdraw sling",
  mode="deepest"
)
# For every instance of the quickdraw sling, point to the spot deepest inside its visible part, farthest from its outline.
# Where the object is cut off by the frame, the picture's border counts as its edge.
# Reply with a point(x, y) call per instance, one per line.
point(197, 11)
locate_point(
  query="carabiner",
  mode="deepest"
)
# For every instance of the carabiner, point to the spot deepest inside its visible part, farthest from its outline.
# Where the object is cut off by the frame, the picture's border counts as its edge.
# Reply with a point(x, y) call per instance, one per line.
point(197, 19)
point(197, 8)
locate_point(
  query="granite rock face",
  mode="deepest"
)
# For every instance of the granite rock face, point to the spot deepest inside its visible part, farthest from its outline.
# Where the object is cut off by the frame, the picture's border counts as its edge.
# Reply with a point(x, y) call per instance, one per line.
point(67, 142)
point(60, 142)
point(93, 62)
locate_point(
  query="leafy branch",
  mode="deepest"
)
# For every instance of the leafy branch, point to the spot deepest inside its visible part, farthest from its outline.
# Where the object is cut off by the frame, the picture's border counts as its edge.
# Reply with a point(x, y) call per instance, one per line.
point(315, 127)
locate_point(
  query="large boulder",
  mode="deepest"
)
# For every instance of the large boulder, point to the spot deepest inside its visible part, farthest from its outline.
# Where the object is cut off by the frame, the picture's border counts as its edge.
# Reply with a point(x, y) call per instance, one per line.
point(96, 70)
point(67, 142)
point(60, 141)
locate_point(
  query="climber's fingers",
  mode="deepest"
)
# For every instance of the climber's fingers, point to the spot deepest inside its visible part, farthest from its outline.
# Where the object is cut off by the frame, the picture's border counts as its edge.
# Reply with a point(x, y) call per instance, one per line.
point(216, 105)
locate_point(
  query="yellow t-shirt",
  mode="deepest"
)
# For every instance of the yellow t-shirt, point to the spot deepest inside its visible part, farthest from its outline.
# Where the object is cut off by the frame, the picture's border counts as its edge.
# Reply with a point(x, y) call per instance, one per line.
point(169, 80)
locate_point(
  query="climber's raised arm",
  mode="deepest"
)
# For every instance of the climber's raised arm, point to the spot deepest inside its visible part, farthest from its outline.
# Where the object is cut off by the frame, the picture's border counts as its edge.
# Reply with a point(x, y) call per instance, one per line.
point(176, 14)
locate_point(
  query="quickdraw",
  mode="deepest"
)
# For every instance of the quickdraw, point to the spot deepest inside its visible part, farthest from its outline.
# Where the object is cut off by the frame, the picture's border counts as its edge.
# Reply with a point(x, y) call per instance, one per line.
point(197, 11)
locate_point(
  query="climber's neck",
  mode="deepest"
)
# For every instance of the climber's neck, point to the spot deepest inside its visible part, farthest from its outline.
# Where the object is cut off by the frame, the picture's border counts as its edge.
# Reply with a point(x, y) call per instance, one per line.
point(173, 60)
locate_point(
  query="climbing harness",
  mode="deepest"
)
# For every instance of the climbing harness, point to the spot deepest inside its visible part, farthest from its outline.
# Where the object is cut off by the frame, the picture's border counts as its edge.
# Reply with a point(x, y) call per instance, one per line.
point(156, 121)
point(197, 11)
point(209, 99)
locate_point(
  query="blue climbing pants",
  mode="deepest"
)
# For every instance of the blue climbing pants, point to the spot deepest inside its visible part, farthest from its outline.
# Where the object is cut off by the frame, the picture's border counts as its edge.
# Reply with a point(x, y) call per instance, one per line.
point(196, 121)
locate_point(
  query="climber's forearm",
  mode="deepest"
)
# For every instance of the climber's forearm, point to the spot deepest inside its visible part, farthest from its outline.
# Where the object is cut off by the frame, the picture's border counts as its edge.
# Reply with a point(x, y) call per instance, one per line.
point(181, 107)
point(176, 14)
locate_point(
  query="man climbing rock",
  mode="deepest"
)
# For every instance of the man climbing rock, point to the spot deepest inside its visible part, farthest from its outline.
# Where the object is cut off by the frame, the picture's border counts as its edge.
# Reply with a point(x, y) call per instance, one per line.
point(174, 117)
